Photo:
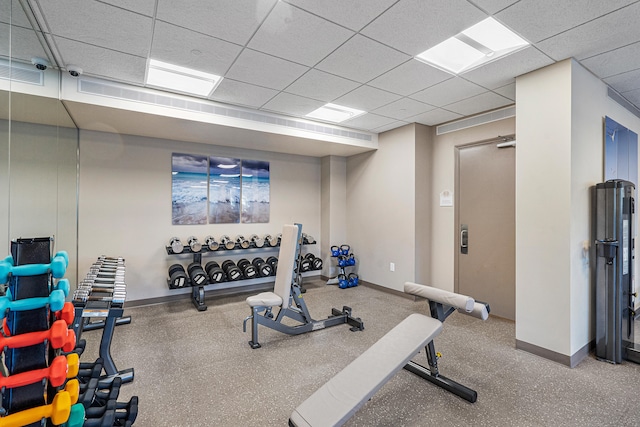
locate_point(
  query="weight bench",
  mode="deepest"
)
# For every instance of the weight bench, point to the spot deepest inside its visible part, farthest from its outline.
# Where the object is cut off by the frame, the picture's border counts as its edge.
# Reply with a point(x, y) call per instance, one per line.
point(287, 296)
point(343, 395)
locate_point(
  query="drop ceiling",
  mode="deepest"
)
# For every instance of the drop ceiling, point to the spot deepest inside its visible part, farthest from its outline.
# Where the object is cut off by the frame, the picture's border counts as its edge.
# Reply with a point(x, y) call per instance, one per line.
point(289, 57)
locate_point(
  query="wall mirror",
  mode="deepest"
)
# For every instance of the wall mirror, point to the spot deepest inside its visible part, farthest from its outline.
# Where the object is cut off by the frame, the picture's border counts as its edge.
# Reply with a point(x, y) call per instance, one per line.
point(38, 139)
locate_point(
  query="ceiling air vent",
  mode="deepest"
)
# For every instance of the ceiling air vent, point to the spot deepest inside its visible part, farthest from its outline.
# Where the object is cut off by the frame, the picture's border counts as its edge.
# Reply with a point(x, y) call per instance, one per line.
point(21, 73)
point(129, 93)
point(478, 120)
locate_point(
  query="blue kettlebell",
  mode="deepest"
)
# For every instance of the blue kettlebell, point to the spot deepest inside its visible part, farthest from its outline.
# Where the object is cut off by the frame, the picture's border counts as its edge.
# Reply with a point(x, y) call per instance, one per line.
point(344, 249)
point(335, 251)
point(353, 280)
point(343, 283)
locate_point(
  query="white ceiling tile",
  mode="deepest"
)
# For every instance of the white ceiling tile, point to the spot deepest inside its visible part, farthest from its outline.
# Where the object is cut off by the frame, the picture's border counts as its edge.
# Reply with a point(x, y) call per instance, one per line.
point(452, 90)
point(615, 61)
point(435, 117)
point(508, 91)
point(264, 70)
point(625, 82)
point(24, 44)
point(231, 20)
point(409, 77)
point(240, 93)
point(633, 96)
point(317, 84)
point(493, 6)
point(609, 32)
point(12, 13)
point(103, 63)
point(187, 48)
point(503, 71)
point(390, 126)
point(361, 59)
point(537, 20)
point(403, 108)
point(145, 7)
point(478, 104)
point(352, 14)
point(116, 29)
point(368, 122)
point(298, 36)
point(366, 98)
point(292, 104)
point(413, 26)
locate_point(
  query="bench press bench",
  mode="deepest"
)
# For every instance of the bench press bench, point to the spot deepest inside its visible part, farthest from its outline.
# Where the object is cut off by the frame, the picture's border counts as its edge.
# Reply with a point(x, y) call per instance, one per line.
point(343, 395)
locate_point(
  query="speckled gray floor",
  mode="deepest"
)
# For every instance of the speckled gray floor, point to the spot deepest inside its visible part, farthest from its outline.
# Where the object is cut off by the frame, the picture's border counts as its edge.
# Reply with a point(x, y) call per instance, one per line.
point(196, 369)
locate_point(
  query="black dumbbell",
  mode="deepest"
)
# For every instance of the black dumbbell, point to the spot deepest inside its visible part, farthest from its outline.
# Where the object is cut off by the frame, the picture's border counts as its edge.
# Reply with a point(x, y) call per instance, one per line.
point(273, 262)
point(307, 239)
point(247, 268)
point(244, 243)
point(316, 263)
point(232, 270)
point(304, 263)
point(264, 269)
point(215, 272)
point(197, 274)
point(177, 276)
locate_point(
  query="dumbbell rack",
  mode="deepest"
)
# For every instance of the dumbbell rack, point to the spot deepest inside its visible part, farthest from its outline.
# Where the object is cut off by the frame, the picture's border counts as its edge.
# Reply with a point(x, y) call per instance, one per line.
point(35, 333)
point(198, 291)
point(342, 277)
point(101, 295)
point(101, 305)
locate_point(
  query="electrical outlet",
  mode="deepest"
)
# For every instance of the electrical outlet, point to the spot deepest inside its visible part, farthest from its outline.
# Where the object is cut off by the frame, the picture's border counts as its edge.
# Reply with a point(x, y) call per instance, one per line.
point(392, 266)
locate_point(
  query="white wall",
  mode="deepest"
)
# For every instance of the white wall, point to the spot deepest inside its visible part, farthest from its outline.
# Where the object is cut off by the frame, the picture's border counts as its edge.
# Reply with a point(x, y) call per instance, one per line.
point(381, 209)
point(125, 204)
point(560, 116)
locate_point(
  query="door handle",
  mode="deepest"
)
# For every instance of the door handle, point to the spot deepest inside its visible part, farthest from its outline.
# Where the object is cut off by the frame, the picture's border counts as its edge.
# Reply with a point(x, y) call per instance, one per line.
point(464, 238)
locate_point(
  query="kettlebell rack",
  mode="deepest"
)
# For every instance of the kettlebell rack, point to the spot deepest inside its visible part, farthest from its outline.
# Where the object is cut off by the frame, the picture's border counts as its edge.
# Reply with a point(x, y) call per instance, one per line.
point(344, 259)
point(228, 274)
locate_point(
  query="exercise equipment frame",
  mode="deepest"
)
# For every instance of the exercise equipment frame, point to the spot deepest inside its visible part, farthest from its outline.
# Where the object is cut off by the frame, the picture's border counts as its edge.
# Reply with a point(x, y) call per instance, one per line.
point(295, 308)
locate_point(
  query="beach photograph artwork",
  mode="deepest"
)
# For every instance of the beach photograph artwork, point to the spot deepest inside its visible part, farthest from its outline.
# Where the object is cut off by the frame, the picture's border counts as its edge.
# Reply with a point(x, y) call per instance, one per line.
point(255, 191)
point(224, 190)
point(189, 189)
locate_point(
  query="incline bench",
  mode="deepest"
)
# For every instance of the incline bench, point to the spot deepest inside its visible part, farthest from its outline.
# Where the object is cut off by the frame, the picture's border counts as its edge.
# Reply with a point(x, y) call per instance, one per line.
point(343, 395)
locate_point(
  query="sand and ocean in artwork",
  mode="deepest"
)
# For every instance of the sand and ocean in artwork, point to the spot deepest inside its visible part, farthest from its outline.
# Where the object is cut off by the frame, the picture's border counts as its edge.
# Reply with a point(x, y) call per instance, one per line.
point(189, 189)
point(255, 191)
point(219, 190)
point(224, 190)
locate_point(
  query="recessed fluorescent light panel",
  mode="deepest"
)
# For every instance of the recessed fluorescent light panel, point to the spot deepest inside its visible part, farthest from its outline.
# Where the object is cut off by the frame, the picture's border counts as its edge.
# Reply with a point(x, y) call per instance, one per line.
point(484, 42)
point(334, 113)
point(163, 75)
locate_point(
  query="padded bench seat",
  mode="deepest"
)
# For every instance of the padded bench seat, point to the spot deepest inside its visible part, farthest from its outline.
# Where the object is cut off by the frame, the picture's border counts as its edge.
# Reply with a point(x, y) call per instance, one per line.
point(341, 397)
